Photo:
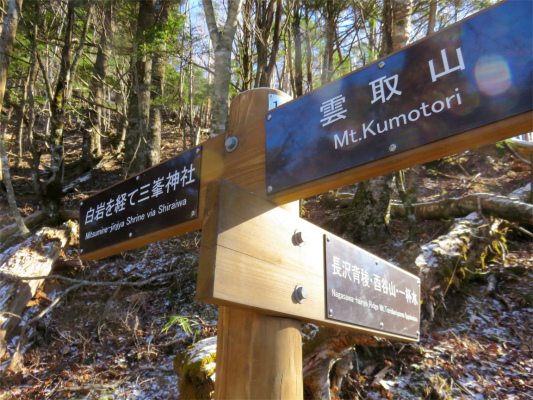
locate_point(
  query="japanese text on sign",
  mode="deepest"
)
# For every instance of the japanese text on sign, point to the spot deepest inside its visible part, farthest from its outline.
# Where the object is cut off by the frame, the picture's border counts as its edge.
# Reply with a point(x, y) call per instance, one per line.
point(383, 89)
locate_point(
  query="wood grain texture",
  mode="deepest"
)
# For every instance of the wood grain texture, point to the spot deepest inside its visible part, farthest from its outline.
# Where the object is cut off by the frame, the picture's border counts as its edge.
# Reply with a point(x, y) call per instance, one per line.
point(258, 356)
point(248, 259)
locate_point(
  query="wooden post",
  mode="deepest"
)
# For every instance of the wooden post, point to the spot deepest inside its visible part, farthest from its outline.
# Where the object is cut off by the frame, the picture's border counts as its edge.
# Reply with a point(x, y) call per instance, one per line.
point(258, 356)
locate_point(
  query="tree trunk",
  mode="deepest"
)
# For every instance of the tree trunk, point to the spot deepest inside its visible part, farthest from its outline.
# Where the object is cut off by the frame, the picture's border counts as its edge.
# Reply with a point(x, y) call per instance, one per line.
point(136, 151)
point(222, 42)
point(452, 258)
point(502, 207)
point(297, 32)
point(401, 27)
point(327, 347)
point(329, 34)
point(6, 179)
point(267, 77)
point(34, 149)
point(158, 79)
point(9, 31)
point(247, 32)
point(91, 148)
point(432, 19)
point(53, 190)
point(34, 257)
point(367, 221)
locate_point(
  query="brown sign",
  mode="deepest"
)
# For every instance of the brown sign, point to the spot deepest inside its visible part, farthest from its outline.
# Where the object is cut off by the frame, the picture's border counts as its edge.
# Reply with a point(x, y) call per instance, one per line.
point(364, 290)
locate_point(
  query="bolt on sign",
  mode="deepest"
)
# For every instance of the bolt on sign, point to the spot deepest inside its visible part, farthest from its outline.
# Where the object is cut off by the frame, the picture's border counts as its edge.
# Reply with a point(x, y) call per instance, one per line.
point(471, 74)
point(157, 198)
point(364, 290)
point(312, 275)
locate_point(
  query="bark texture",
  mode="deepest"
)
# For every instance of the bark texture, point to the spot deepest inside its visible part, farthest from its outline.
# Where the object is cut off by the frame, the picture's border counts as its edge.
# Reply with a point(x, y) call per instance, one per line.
point(450, 259)
point(222, 41)
point(510, 209)
point(91, 148)
point(137, 149)
point(33, 257)
point(327, 348)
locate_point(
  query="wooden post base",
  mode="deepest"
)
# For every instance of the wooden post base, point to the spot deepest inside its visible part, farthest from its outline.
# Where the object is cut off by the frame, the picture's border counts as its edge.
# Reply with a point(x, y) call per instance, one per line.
point(258, 356)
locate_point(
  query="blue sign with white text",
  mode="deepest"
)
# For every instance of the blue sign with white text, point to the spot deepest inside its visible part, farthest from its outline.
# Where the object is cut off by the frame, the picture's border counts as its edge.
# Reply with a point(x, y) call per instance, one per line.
point(474, 73)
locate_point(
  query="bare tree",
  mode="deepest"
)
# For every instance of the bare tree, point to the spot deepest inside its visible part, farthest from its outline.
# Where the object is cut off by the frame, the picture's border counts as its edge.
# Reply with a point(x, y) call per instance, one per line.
point(222, 41)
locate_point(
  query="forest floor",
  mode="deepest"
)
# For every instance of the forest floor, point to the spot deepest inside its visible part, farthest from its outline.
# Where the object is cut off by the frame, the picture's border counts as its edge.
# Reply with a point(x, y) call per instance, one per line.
point(99, 343)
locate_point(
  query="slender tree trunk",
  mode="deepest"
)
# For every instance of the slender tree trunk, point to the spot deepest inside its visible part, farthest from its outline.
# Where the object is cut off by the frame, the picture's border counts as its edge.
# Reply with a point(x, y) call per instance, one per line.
point(54, 185)
point(9, 31)
point(267, 77)
point(92, 149)
point(34, 150)
point(158, 79)
point(432, 20)
point(297, 33)
point(386, 34)
point(264, 15)
point(247, 58)
point(135, 158)
point(6, 179)
point(308, 53)
point(20, 130)
point(222, 42)
point(330, 29)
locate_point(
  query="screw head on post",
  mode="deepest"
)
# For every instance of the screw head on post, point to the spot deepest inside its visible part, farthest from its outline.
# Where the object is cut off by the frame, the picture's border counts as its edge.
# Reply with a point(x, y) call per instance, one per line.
point(300, 293)
point(299, 238)
point(231, 143)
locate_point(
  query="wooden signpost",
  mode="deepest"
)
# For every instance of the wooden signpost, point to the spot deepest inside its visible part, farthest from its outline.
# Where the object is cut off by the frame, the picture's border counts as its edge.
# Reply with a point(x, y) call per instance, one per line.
point(268, 269)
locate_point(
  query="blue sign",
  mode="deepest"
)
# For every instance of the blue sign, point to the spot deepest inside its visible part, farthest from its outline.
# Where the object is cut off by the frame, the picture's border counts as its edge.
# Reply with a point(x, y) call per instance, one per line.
point(471, 74)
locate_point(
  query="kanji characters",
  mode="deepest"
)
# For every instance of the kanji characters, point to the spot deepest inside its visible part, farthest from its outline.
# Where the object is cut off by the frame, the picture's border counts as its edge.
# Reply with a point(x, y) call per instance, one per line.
point(378, 88)
point(447, 69)
point(333, 110)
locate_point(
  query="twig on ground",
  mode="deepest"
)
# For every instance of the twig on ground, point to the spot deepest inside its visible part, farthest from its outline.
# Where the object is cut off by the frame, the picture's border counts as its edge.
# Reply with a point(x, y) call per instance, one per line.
point(78, 284)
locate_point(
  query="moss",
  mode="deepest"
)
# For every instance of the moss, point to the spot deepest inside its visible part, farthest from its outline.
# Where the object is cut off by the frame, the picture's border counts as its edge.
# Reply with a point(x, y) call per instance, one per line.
point(196, 367)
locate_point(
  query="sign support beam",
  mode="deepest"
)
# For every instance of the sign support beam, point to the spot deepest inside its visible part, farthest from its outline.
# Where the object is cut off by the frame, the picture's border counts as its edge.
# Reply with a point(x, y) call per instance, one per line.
point(250, 259)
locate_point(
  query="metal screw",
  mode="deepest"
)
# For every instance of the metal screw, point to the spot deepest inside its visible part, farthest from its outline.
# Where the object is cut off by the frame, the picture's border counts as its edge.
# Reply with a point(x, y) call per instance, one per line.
point(81, 203)
point(377, 262)
point(392, 147)
point(193, 214)
point(381, 64)
point(269, 117)
point(381, 325)
point(298, 239)
point(131, 234)
point(330, 313)
point(231, 143)
point(137, 178)
point(418, 333)
point(328, 239)
point(81, 250)
point(197, 150)
point(300, 293)
point(270, 95)
point(269, 189)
